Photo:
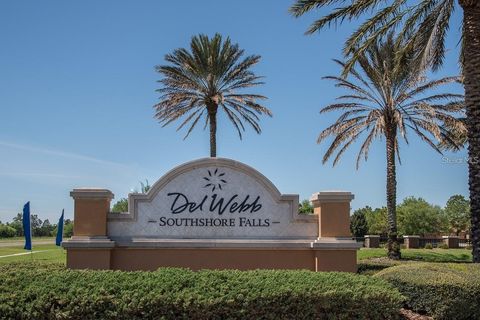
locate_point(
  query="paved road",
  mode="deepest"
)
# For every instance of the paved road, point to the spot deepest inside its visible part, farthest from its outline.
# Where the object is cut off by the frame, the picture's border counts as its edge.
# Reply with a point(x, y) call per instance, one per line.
point(20, 243)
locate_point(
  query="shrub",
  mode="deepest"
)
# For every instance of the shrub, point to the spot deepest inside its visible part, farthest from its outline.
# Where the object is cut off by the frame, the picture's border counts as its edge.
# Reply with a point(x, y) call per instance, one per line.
point(444, 291)
point(428, 246)
point(7, 231)
point(29, 291)
point(358, 222)
point(443, 246)
point(68, 230)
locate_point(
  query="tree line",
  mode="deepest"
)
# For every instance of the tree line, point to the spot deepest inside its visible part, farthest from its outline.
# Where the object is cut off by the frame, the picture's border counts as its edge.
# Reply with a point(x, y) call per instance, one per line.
point(40, 228)
point(415, 216)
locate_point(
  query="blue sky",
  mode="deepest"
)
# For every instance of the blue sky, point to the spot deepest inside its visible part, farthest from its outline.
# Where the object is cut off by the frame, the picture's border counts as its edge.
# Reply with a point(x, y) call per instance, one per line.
point(77, 86)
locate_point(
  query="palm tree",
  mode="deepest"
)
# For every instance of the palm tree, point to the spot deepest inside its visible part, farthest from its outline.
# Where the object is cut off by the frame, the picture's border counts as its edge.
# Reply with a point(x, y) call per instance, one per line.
point(209, 77)
point(425, 23)
point(388, 99)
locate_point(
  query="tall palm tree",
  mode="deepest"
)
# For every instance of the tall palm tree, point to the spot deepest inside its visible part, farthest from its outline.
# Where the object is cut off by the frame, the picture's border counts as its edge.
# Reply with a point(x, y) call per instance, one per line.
point(209, 77)
point(425, 23)
point(388, 99)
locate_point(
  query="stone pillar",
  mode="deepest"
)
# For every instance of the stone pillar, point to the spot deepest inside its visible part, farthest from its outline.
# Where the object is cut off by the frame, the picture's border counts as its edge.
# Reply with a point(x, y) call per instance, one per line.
point(91, 210)
point(451, 241)
point(90, 247)
point(372, 241)
point(333, 210)
point(412, 242)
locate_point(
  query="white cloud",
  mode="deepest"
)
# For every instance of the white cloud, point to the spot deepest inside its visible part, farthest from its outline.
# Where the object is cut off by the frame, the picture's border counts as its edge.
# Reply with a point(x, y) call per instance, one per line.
point(59, 153)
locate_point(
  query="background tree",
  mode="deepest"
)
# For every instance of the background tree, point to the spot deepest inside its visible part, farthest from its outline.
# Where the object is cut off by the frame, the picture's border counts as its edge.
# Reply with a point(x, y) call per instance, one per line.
point(377, 220)
point(305, 207)
point(6, 231)
point(424, 24)
point(46, 229)
point(387, 99)
point(209, 77)
point(120, 206)
point(457, 212)
point(418, 217)
point(36, 225)
point(358, 222)
point(17, 224)
point(145, 187)
point(68, 228)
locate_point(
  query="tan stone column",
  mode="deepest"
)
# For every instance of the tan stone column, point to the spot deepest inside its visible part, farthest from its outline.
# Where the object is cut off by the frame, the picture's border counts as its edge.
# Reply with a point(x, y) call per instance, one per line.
point(335, 250)
point(333, 210)
point(90, 247)
point(91, 210)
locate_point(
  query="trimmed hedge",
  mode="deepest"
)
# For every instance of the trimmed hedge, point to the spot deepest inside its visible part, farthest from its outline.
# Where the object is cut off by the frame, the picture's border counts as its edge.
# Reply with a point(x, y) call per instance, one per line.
point(30, 291)
point(444, 291)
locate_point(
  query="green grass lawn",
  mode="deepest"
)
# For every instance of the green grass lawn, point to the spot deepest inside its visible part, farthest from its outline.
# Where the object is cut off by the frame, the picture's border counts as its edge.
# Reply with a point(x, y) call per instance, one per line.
point(427, 255)
point(371, 261)
point(41, 253)
point(16, 239)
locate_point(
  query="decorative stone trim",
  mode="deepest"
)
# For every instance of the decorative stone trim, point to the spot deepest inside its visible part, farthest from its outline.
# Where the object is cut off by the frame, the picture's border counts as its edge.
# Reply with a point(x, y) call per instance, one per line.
point(225, 243)
point(135, 198)
point(332, 196)
point(91, 193)
point(88, 242)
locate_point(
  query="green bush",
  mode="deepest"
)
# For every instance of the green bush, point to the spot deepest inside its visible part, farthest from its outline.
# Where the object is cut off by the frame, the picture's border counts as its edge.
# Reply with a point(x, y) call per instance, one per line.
point(444, 291)
point(443, 246)
point(7, 231)
point(29, 291)
point(428, 246)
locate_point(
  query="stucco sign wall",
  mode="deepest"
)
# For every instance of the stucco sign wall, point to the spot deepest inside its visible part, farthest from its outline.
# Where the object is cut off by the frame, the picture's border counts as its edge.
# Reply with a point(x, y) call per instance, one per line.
point(213, 198)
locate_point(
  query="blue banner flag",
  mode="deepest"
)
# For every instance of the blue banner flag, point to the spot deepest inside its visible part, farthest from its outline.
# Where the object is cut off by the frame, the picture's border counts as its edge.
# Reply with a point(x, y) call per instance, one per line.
point(27, 231)
point(59, 239)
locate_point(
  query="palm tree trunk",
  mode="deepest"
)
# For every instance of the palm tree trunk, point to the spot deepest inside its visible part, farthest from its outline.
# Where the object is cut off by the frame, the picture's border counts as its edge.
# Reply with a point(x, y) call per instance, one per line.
point(212, 115)
point(393, 245)
point(471, 72)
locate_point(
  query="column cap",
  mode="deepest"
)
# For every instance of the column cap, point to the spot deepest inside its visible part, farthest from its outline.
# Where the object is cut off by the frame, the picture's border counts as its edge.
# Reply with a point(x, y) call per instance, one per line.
point(91, 193)
point(411, 236)
point(450, 237)
point(372, 236)
point(332, 196)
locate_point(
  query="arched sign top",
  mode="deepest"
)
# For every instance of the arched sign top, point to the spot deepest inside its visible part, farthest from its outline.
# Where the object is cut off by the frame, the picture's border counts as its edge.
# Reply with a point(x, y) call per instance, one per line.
point(210, 163)
point(213, 198)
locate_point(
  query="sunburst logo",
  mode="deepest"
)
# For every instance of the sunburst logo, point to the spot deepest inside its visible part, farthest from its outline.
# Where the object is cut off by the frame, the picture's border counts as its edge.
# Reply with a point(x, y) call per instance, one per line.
point(215, 180)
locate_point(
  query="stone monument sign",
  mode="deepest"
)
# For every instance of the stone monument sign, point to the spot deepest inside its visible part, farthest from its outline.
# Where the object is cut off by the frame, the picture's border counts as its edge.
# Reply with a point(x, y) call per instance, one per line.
point(211, 213)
